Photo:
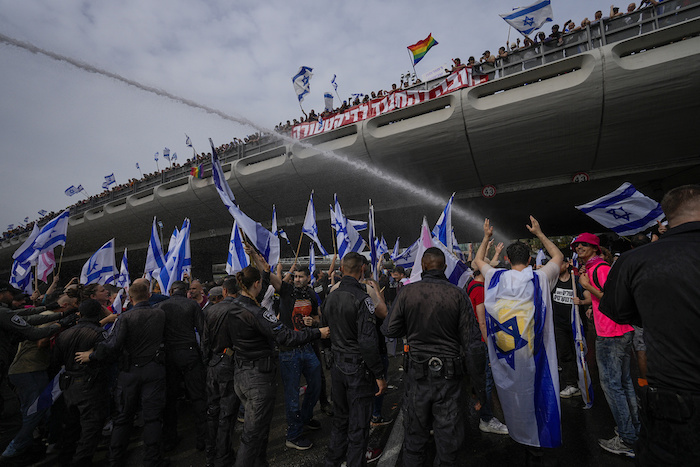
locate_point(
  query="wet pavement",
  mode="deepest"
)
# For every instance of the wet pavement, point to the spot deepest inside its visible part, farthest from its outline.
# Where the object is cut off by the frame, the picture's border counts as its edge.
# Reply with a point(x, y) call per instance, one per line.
point(581, 430)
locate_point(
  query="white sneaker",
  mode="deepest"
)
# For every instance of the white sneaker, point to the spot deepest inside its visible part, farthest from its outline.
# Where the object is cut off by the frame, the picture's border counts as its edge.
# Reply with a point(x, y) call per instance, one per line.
point(493, 426)
point(616, 446)
point(570, 391)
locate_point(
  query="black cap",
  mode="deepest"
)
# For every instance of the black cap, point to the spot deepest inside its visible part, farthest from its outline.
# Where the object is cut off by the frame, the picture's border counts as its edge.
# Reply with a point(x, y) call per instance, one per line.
point(90, 310)
point(7, 287)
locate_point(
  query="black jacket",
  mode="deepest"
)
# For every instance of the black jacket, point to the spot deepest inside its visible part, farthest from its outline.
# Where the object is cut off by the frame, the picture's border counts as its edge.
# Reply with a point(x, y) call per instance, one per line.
point(435, 316)
point(182, 316)
point(83, 336)
point(349, 312)
point(13, 329)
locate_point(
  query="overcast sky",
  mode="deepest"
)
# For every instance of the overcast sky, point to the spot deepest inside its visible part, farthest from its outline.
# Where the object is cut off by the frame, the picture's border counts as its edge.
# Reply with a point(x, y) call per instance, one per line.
point(62, 126)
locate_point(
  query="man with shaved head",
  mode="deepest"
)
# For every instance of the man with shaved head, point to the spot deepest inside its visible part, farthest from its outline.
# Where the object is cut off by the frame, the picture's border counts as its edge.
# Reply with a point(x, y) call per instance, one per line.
point(437, 319)
point(656, 286)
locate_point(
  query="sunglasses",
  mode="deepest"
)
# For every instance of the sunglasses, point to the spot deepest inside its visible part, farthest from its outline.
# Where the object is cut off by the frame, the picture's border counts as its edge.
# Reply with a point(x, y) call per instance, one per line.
point(583, 244)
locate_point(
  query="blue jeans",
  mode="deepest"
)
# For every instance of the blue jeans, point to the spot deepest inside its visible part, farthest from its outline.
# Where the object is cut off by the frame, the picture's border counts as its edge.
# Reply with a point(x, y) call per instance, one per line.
point(294, 363)
point(613, 355)
point(28, 387)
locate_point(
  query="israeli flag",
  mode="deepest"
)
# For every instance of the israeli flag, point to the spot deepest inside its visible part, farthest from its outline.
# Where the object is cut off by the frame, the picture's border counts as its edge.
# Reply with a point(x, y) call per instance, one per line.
point(334, 84)
point(188, 141)
point(312, 262)
point(43, 212)
point(456, 249)
point(528, 18)
point(373, 256)
point(456, 271)
point(21, 277)
point(237, 257)
point(172, 243)
point(408, 257)
point(71, 190)
point(328, 101)
point(137, 166)
point(51, 235)
point(123, 281)
point(166, 153)
point(275, 231)
point(309, 227)
point(173, 157)
point(109, 179)
point(523, 354)
point(48, 396)
point(10, 226)
point(443, 227)
point(585, 383)
point(175, 266)
point(117, 304)
point(395, 252)
point(25, 252)
point(382, 247)
point(358, 225)
point(625, 211)
point(100, 268)
point(154, 257)
point(301, 82)
point(26, 219)
point(80, 188)
point(347, 237)
point(156, 156)
point(539, 261)
point(105, 185)
point(264, 241)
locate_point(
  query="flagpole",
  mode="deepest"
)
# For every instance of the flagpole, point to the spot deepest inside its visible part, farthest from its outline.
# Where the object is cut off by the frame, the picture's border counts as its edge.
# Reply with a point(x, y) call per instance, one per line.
point(410, 57)
point(63, 247)
point(296, 255)
point(140, 171)
point(580, 344)
point(36, 279)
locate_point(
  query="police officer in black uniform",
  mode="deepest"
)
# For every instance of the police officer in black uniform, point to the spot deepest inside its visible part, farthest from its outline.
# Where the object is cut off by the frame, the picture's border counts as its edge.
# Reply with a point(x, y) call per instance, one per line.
point(137, 339)
point(85, 386)
point(437, 319)
point(183, 362)
point(222, 401)
point(357, 365)
point(13, 329)
point(255, 330)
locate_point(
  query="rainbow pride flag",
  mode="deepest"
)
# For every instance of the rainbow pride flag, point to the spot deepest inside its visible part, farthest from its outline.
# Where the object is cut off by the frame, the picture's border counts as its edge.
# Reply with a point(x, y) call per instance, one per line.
point(197, 172)
point(419, 49)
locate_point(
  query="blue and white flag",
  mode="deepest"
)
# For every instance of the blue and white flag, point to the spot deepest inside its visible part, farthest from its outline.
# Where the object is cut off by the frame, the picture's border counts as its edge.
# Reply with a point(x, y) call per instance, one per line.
point(328, 101)
point(522, 352)
point(309, 227)
point(334, 84)
point(100, 268)
point(109, 179)
point(539, 261)
point(443, 226)
point(275, 231)
point(173, 158)
point(585, 383)
point(312, 262)
point(51, 235)
point(155, 260)
point(347, 237)
point(155, 157)
point(456, 249)
point(118, 303)
point(395, 252)
point(320, 122)
point(26, 219)
point(137, 166)
point(123, 281)
point(301, 82)
point(528, 18)
point(373, 256)
point(408, 257)
point(382, 247)
point(10, 226)
point(22, 277)
point(625, 211)
point(456, 271)
point(43, 212)
point(80, 188)
point(175, 266)
point(71, 190)
point(166, 153)
point(188, 141)
point(172, 243)
point(237, 257)
point(48, 396)
point(25, 253)
point(358, 225)
point(264, 241)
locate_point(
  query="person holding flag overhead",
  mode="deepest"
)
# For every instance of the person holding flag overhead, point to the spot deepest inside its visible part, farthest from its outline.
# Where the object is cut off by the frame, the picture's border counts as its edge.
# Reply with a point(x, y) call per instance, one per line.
point(520, 339)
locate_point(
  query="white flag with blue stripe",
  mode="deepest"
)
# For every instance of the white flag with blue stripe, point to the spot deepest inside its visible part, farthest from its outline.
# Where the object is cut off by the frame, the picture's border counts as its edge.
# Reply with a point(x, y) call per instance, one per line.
point(528, 18)
point(264, 241)
point(51, 235)
point(175, 265)
point(154, 257)
point(408, 257)
point(328, 101)
point(166, 153)
point(109, 179)
point(123, 281)
point(382, 247)
point(276, 231)
point(237, 257)
point(100, 268)
point(347, 237)
point(395, 252)
point(585, 383)
point(625, 211)
point(522, 353)
point(25, 252)
point(456, 271)
point(373, 256)
point(301, 82)
point(312, 262)
point(48, 396)
point(443, 227)
point(309, 227)
point(22, 277)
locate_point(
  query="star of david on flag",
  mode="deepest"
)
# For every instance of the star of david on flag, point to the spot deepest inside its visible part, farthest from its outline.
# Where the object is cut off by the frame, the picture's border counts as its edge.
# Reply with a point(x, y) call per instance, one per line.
point(301, 82)
point(529, 18)
point(625, 211)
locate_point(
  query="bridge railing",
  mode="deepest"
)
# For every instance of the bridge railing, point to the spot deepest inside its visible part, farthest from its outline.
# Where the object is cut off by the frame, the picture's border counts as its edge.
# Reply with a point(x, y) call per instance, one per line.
point(598, 34)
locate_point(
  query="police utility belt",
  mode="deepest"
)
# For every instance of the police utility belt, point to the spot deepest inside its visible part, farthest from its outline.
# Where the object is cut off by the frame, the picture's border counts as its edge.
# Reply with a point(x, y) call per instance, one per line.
point(262, 364)
point(668, 404)
point(434, 366)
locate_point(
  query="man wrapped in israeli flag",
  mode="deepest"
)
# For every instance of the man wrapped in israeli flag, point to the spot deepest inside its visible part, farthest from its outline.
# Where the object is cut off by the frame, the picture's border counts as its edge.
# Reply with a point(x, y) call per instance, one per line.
point(521, 342)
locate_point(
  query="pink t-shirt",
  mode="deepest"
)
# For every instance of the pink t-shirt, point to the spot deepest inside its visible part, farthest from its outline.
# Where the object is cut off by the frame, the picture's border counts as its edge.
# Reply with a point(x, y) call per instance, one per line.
point(604, 326)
